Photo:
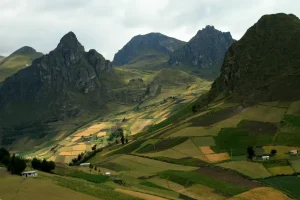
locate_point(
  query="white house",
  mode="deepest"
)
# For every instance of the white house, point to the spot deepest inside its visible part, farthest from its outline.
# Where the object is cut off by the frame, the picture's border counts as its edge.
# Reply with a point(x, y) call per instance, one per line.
point(265, 157)
point(293, 152)
point(85, 164)
point(107, 174)
point(29, 174)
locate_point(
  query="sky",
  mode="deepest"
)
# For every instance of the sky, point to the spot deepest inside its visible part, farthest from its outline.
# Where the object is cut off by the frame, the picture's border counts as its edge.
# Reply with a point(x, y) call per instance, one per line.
point(107, 25)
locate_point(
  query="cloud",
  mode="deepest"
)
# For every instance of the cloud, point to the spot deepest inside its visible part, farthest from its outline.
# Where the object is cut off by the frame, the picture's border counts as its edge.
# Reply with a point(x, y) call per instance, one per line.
point(108, 25)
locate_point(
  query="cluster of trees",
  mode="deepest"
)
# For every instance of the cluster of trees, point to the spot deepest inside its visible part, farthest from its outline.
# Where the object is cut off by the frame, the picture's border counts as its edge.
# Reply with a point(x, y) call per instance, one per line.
point(46, 166)
point(14, 164)
point(251, 152)
point(91, 166)
point(81, 158)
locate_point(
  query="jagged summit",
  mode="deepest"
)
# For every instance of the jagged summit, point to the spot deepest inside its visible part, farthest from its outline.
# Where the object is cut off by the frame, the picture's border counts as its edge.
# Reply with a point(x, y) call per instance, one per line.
point(70, 41)
point(205, 50)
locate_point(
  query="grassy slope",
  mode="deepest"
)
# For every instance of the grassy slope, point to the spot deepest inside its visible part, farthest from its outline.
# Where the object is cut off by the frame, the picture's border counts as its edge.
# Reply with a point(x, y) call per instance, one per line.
point(14, 63)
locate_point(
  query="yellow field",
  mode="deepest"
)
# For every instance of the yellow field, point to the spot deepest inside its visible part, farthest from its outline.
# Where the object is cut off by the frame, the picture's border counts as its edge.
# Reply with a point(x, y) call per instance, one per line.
point(201, 192)
point(76, 153)
point(140, 195)
point(262, 193)
point(16, 187)
point(80, 147)
point(188, 148)
point(68, 159)
point(139, 125)
point(286, 170)
point(206, 150)
point(74, 139)
point(65, 153)
point(217, 157)
point(102, 133)
point(93, 129)
point(251, 169)
point(43, 153)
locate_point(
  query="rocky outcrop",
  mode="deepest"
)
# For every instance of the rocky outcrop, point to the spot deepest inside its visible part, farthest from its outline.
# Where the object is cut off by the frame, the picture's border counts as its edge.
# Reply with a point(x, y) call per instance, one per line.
point(149, 46)
point(54, 80)
point(205, 50)
point(264, 65)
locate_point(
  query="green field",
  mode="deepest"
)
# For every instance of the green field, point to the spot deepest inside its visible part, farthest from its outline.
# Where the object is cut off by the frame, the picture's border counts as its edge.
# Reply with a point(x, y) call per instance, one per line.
point(189, 178)
point(288, 184)
point(251, 169)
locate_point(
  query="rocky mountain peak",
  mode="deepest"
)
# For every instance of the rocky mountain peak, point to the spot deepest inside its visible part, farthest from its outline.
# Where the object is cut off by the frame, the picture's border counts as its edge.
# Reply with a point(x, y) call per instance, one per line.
point(205, 50)
point(69, 42)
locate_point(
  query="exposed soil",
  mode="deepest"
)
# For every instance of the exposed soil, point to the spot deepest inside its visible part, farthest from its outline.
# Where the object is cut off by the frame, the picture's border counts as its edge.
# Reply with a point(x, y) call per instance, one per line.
point(229, 177)
point(257, 127)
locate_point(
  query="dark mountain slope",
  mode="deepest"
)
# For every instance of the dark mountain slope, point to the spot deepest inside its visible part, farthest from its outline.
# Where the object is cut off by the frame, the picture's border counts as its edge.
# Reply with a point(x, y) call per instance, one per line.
point(206, 50)
point(149, 48)
point(58, 84)
point(264, 65)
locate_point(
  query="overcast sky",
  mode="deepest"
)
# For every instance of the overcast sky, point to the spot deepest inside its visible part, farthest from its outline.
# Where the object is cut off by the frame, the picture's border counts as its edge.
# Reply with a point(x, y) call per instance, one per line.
point(107, 25)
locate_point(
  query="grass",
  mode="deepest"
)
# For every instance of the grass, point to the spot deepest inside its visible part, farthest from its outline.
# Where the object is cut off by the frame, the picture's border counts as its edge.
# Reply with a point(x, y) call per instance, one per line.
point(16, 187)
point(204, 141)
point(281, 170)
point(162, 145)
point(90, 177)
point(189, 161)
point(237, 140)
point(128, 148)
point(287, 139)
point(251, 169)
point(296, 165)
point(93, 189)
point(153, 185)
point(190, 178)
point(288, 184)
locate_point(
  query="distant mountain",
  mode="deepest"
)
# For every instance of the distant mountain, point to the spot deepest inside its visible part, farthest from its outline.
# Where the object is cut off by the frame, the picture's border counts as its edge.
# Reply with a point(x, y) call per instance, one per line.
point(264, 65)
point(1, 58)
point(205, 50)
point(151, 48)
point(19, 59)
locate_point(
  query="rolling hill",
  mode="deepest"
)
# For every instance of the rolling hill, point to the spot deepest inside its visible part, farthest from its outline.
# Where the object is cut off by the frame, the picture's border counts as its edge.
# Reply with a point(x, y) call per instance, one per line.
point(1, 58)
point(150, 48)
point(19, 59)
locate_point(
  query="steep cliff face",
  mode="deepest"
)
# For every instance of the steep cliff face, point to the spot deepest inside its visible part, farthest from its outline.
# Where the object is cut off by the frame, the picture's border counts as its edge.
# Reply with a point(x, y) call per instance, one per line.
point(265, 64)
point(205, 50)
point(149, 46)
point(58, 84)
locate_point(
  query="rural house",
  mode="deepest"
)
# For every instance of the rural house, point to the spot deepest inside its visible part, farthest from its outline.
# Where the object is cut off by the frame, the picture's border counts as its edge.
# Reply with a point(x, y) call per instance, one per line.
point(85, 164)
point(29, 174)
point(265, 157)
point(294, 152)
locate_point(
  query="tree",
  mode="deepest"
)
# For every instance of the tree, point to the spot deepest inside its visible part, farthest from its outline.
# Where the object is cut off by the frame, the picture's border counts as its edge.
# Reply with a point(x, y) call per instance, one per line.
point(117, 142)
point(251, 152)
point(16, 165)
point(194, 108)
point(47, 166)
point(36, 163)
point(126, 141)
point(94, 147)
point(273, 152)
point(3, 153)
point(95, 168)
point(122, 140)
point(79, 157)
point(91, 166)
